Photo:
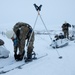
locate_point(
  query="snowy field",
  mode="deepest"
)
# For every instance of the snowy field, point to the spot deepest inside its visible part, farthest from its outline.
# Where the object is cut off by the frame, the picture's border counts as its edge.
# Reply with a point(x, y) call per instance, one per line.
point(48, 65)
point(54, 14)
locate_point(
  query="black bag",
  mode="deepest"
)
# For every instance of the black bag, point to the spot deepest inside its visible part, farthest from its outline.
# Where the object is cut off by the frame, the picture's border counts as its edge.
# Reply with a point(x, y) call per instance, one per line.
point(1, 42)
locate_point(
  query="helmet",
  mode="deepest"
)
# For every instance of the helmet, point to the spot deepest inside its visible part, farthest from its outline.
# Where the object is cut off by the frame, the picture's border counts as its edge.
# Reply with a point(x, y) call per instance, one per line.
point(10, 34)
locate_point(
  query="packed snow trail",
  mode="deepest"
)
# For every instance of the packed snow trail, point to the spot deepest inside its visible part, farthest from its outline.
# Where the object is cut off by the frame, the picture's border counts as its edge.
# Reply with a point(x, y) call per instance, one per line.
point(18, 65)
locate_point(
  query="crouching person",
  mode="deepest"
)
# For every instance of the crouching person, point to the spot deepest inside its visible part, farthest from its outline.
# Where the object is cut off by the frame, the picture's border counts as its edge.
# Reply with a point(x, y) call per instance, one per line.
point(23, 32)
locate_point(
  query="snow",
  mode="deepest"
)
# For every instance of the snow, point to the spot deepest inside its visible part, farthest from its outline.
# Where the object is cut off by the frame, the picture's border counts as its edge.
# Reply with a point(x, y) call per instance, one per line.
point(53, 14)
point(49, 65)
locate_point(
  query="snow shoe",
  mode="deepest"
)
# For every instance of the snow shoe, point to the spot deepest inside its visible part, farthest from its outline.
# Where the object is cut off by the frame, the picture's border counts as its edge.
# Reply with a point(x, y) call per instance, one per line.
point(28, 60)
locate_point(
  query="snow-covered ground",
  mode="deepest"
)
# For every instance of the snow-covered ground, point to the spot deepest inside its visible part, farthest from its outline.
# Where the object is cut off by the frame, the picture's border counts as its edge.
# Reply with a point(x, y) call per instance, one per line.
point(54, 13)
point(48, 65)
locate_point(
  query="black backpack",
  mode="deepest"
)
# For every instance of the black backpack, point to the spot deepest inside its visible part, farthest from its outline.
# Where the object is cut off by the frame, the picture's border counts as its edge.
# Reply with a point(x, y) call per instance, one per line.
point(1, 42)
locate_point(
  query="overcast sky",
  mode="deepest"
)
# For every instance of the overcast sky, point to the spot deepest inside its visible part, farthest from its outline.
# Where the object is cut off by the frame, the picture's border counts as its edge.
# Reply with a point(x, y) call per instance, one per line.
point(54, 12)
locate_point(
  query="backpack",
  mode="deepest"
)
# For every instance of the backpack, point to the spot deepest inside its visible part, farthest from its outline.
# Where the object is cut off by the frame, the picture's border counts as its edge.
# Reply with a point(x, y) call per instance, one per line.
point(1, 42)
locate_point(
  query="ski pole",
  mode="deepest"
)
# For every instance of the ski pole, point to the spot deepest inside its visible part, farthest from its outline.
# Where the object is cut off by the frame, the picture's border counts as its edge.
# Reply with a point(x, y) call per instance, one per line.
point(32, 30)
point(60, 57)
point(44, 25)
point(38, 9)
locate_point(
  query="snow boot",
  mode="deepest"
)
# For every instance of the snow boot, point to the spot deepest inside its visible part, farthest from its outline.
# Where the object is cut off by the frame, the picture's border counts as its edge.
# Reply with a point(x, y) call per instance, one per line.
point(20, 57)
point(29, 58)
point(15, 56)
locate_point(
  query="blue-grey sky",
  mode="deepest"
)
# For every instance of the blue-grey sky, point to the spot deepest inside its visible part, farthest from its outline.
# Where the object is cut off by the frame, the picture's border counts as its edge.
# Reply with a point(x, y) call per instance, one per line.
point(54, 12)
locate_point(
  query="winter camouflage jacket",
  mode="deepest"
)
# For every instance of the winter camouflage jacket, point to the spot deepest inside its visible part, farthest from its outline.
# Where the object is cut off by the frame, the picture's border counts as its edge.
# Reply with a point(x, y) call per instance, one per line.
point(65, 26)
point(23, 32)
